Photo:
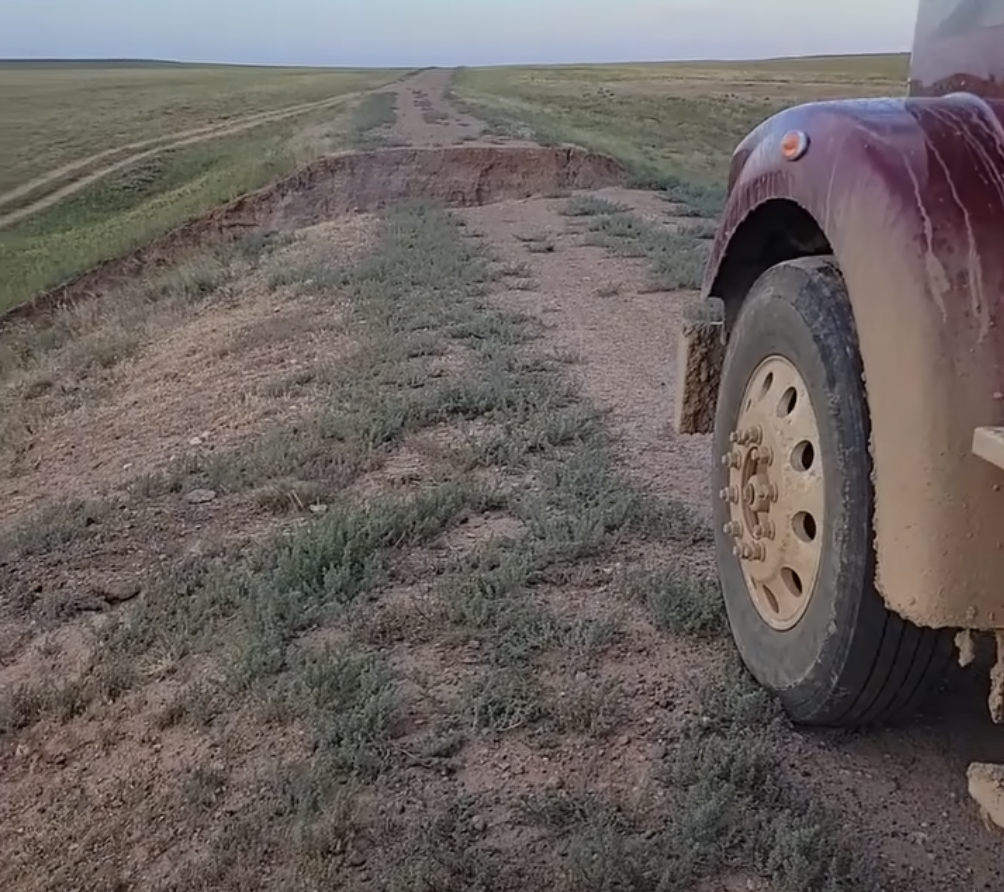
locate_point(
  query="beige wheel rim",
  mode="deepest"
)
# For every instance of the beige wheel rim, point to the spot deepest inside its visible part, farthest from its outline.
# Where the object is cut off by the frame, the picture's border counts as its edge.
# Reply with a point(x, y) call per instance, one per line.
point(775, 492)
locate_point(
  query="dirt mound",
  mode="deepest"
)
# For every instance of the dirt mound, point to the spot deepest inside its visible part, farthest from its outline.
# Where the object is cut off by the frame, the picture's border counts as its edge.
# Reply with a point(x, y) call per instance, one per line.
point(458, 176)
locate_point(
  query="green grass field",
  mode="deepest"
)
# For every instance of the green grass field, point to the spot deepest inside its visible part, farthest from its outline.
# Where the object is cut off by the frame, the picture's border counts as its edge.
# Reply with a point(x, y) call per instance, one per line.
point(65, 115)
point(673, 124)
point(667, 121)
point(57, 114)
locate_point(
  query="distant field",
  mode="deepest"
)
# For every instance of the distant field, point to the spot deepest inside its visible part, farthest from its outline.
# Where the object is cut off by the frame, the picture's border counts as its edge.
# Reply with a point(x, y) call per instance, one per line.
point(56, 114)
point(667, 120)
point(91, 117)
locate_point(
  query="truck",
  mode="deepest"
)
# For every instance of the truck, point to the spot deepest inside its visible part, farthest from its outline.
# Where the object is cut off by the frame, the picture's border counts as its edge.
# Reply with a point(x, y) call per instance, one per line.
point(849, 367)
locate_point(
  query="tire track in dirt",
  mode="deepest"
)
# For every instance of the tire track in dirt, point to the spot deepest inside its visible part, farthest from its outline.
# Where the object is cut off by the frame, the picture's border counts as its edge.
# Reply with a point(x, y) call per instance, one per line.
point(425, 116)
point(63, 170)
point(156, 146)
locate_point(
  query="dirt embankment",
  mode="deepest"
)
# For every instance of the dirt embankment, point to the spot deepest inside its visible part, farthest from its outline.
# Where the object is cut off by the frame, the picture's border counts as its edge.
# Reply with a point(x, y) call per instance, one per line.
point(457, 176)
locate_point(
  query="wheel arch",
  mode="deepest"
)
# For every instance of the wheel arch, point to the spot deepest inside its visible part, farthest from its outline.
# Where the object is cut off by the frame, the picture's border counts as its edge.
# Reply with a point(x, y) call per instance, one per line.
point(779, 229)
point(776, 230)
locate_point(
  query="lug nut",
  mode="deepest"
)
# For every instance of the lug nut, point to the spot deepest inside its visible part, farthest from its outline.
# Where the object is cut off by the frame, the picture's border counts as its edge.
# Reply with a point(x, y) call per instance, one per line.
point(733, 528)
point(765, 455)
point(749, 435)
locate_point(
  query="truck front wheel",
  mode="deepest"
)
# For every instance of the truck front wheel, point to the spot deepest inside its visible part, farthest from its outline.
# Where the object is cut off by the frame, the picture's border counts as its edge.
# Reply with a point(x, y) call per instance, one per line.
point(793, 513)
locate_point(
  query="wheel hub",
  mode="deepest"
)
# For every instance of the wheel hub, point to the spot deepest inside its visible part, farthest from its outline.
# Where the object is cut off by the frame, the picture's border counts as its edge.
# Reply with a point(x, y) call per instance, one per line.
point(774, 492)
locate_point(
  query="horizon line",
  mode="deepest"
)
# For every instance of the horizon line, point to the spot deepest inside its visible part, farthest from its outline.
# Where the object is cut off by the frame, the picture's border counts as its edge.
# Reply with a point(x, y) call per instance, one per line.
point(138, 60)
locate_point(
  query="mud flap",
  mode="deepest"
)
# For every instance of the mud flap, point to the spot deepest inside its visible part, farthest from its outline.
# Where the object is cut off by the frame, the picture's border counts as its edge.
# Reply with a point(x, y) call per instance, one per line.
point(700, 353)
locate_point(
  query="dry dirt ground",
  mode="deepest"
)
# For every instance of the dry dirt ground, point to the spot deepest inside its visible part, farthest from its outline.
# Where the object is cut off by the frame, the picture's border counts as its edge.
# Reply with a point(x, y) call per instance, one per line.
point(362, 555)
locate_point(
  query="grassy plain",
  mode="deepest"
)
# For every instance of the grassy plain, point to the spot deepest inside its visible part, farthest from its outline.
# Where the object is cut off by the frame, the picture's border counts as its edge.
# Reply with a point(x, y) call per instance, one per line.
point(55, 114)
point(667, 121)
point(103, 116)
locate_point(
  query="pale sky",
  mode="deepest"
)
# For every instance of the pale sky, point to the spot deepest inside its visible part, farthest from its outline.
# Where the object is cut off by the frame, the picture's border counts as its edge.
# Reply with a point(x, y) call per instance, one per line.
point(411, 33)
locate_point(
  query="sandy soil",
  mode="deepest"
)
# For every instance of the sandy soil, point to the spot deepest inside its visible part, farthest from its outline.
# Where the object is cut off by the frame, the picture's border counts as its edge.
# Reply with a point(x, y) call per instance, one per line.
point(901, 792)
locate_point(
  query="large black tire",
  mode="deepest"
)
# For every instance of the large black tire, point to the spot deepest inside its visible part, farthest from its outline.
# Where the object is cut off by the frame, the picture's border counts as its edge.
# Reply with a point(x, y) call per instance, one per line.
point(848, 660)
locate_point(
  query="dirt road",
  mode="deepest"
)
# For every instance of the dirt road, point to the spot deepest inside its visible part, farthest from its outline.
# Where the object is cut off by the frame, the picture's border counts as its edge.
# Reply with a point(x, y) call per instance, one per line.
point(196, 382)
point(903, 790)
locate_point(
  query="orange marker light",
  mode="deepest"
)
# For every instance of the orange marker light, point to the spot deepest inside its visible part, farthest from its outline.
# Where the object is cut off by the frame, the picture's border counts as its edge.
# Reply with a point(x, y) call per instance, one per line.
point(794, 144)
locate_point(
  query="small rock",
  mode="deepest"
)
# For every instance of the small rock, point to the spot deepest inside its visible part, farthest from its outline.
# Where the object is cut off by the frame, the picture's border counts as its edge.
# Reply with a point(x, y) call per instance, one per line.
point(200, 496)
point(195, 441)
point(479, 824)
point(318, 508)
point(117, 592)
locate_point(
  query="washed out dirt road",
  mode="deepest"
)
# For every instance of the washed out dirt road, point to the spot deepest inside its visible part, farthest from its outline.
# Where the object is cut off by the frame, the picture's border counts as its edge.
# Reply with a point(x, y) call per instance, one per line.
point(900, 792)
